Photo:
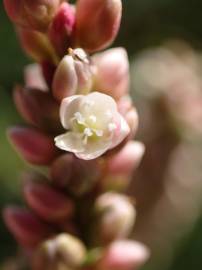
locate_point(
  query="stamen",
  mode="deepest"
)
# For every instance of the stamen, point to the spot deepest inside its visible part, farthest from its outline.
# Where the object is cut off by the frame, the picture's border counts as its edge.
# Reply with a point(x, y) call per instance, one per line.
point(88, 132)
point(79, 118)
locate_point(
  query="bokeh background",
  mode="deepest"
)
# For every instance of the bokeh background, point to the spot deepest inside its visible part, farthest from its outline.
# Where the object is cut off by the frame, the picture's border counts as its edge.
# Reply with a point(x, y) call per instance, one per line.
point(147, 24)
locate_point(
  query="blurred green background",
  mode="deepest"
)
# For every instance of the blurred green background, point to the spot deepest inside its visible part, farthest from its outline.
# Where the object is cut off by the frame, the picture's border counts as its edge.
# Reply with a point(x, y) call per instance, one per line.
point(145, 23)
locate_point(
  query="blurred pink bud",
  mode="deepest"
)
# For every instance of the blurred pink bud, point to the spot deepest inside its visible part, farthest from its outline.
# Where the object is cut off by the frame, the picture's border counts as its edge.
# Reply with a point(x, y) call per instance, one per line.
point(50, 204)
point(126, 108)
point(97, 23)
point(35, 15)
point(33, 145)
point(112, 77)
point(76, 175)
point(132, 120)
point(38, 108)
point(124, 255)
point(36, 45)
point(61, 170)
point(73, 75)
point(121, 165)
point(115, 216)
point(33, 77)
point(61, 28)
point(28, 230)
point(62, 252)
point(127, 159)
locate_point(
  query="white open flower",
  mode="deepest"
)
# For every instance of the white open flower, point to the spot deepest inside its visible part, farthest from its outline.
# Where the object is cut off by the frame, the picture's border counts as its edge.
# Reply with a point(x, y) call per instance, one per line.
point(93, 125)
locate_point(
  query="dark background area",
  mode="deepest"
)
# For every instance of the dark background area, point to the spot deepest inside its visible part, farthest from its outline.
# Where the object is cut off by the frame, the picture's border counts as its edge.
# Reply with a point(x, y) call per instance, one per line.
point(145, 23)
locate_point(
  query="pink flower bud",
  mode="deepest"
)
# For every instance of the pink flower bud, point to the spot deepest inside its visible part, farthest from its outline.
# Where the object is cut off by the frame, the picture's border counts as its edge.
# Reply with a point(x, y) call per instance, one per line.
point(65, 79)
point(127, 109)
point(33, 77)
point(112, 77)
point(50, 204)
point(35, 15)
point(127, 159)
point(36, 45)
point(28, 230)
point(73, 75)
point(62, 252)
point(122, 164)
point(124, 255)
point(61, 28)
point(38, 108)
point(115, 216)
point(97, 23)
point(77, 176)
point(33, 145)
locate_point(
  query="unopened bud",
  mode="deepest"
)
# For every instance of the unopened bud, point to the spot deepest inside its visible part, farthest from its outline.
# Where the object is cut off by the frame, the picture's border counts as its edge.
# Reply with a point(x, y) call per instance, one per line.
point(121, 165)
point(38, 108)
point(36, 45)
point(50, 204)
point(33, 77)
point(27, 228)
point(61, 28)
point(112, 77)
point(116, 216)
point(35, 15)
point(127, 109)
point(62, 251)
point(124, 255)
point(74, 174)
point(33, 145)
point(73, 75)
point(97, 23)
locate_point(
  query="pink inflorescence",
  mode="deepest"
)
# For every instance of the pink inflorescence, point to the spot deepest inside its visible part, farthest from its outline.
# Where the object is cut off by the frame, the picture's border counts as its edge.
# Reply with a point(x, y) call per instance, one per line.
point(81, 122)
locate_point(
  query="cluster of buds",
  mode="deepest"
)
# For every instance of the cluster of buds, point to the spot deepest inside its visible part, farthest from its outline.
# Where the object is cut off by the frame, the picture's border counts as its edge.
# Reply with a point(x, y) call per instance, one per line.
point(81, 122)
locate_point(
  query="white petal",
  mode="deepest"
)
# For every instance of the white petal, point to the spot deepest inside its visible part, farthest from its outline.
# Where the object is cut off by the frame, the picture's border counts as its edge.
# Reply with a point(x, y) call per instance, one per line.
point(68, 108)
point(93, 150)
point(71, 142)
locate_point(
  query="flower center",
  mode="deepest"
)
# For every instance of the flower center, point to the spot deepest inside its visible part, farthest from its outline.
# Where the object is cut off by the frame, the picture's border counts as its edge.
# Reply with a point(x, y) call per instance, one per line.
point(87, 126)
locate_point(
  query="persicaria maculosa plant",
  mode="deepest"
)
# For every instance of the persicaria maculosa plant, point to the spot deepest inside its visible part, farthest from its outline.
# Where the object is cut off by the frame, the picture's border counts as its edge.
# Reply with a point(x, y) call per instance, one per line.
point(81, 122)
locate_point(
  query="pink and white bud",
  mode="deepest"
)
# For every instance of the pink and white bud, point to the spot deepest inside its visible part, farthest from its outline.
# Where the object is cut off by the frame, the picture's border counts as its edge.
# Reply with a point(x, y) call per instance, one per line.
point(121, 165)
point(33, 76)
point(35, 15)
point(50, 204)
point(61, 28)
point(38, 108)
point(73, 75)
point(129, 112)
point(124, 255)
point(94, 125)
point(97, 23)
point(112, 77)
point(62, 252)
point(33, 145)
point(27, 228)
point(36, 45)
point(116, 216)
